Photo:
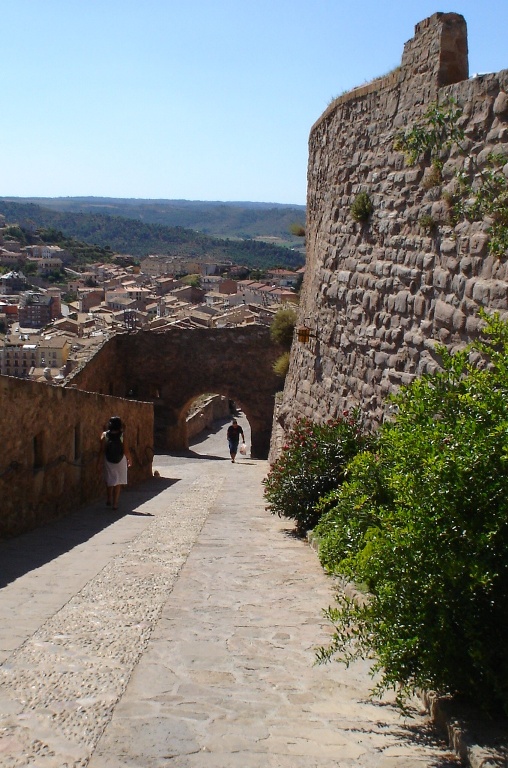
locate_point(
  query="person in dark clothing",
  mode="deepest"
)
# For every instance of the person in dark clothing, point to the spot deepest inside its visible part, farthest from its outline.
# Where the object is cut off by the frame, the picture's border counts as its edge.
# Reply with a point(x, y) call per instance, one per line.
point(234, 432)
point(115, 459)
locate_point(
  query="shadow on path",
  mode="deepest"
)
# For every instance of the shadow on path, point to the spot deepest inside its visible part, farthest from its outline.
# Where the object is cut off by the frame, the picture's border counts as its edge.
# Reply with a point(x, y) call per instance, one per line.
point(31, 550)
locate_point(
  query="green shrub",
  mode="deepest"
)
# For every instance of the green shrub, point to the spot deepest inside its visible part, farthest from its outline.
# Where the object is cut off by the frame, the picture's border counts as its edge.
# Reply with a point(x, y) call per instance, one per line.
point(362, 207)
point(423, 523)
point(281, 365)
point(312, 462)
point(437, 133)
point(283, 326)
point(487, 197)
point(348, 512)
point(427, 223)
point(297, 229)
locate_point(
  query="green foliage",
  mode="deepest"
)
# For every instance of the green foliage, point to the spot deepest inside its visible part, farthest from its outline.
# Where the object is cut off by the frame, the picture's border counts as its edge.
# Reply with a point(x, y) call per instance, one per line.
point(29, 268)
point(348, 512)
point(422, 521)
point(487, 196)
point(427, 223)
point(224, 219)
point(193, 280)
point(283, 326)
point(482, 194)
point(362, 207)
point(15, 232)
point(122, 234)
point(297, 229)
point(281, 365)
point(312, 462)
point(438, 132)
point(56, 276)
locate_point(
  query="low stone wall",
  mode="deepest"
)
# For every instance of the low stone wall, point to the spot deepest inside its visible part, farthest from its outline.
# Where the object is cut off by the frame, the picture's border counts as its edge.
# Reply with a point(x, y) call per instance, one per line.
point(50, 448)
point(216, 407)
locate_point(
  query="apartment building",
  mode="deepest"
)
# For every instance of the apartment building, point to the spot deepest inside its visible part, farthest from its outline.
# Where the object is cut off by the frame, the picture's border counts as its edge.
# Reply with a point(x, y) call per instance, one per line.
point(38, 309)
point(22, 352)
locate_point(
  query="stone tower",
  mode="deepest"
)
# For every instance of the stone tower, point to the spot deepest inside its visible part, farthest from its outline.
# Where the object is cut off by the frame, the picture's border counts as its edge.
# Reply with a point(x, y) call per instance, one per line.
point(379, 295)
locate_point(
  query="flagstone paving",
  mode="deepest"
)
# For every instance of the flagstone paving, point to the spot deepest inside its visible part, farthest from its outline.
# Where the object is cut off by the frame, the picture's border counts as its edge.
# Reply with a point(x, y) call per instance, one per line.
point(182, 632)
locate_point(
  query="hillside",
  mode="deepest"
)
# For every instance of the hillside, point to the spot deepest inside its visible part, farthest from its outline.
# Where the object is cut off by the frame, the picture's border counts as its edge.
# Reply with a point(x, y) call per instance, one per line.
point(219, 219)
point(126, 235)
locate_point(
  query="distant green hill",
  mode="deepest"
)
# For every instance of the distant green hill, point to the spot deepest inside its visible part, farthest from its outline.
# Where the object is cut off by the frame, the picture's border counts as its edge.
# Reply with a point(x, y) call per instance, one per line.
point(129, 235)
point(220, 219)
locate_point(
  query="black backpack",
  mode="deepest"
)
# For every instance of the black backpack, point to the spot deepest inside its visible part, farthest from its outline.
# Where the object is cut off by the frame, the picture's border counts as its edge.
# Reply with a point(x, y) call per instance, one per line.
point(114, 447)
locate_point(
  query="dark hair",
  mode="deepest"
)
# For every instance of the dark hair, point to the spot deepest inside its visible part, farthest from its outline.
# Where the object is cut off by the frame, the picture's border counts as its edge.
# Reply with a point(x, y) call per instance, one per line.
point(115, 424)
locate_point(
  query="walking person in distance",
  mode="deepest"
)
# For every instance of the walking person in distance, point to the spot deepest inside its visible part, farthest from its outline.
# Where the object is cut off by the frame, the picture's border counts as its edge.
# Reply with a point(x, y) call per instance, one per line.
point(115, 460)
point(233, 434)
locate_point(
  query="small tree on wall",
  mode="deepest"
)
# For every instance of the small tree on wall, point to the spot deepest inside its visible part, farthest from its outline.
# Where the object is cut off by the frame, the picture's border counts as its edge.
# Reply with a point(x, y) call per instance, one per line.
point(362, 207)
point(283, 326)
point(281, 332)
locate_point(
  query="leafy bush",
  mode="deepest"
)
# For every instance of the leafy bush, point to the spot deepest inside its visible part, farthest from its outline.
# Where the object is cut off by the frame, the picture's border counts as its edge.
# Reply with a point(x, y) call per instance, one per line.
point(348, 512)
point(297, 229)
point(311, 464)
point(422, 521)
point(362, 207)
point(283, 326)
point(281, 365)
point(487, 197)
point(438, 132)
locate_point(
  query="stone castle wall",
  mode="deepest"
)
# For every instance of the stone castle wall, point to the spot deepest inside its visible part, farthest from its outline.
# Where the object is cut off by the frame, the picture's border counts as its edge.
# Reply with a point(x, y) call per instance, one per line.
point(215, 408)
point(50, 446)
point(379, 296)
point(173, 368)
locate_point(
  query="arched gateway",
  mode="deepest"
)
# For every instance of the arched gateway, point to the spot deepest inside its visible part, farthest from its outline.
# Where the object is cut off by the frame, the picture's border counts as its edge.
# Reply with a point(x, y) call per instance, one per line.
point(174, 367)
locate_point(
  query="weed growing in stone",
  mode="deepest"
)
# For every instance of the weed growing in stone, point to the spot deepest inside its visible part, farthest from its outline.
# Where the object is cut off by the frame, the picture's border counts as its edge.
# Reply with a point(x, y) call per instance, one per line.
point(486, 196)
point(437, 133)
point(362, 207)
point(427, 223)
point(482, 194)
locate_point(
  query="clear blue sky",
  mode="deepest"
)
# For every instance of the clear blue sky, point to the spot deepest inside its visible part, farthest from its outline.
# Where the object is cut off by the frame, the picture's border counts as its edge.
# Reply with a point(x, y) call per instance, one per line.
point(194, 99)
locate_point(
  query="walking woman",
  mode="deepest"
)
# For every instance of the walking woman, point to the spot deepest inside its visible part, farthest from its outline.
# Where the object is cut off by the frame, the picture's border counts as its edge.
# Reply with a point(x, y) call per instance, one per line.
point(115, 459)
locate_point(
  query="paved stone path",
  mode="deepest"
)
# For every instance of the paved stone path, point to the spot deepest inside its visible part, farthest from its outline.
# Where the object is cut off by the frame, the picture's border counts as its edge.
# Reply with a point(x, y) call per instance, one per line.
point(181, 632)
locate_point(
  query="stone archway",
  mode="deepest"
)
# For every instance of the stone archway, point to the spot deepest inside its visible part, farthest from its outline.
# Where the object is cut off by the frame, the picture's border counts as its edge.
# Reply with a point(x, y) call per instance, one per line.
point(172, 368)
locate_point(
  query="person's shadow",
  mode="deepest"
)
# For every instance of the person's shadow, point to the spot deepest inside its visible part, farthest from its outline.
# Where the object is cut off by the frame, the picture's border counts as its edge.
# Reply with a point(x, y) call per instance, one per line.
point(24, 553)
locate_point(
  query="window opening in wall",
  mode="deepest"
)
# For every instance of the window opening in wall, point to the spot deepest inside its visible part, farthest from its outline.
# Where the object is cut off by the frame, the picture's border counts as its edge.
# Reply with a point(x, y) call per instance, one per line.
point(38, 445)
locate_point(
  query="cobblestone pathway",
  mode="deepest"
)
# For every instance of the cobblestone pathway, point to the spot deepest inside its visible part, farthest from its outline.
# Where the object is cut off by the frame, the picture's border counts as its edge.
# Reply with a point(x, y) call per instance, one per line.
point(182, 633)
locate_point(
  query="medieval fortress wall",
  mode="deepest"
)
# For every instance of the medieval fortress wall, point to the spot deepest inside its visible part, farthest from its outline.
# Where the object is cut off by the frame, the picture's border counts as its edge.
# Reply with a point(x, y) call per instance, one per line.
point(378, 296)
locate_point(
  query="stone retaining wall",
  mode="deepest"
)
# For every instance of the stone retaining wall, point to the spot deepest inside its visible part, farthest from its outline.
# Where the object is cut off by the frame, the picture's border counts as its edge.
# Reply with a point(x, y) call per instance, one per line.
point(379, 296)
point(216, 407)
point(50, 446)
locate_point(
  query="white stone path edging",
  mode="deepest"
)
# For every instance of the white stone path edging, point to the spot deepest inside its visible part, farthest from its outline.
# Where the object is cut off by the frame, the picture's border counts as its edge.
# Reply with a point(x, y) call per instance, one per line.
point(60, 687)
